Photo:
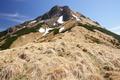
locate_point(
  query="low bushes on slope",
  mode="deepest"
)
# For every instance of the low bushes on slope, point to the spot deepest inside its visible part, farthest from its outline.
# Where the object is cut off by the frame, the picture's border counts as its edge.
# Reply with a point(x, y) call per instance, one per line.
point(11, 38)
point(93, 27)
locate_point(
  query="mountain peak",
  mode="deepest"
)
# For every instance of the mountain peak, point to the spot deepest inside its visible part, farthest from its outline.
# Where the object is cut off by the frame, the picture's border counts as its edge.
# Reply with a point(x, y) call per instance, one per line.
point(57, 11)
point(66, 13)
point(57, 20)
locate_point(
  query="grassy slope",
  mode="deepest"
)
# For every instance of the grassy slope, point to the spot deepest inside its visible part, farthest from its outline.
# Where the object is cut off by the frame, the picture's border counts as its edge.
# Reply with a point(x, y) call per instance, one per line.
point(10, 39)
point(92, 28)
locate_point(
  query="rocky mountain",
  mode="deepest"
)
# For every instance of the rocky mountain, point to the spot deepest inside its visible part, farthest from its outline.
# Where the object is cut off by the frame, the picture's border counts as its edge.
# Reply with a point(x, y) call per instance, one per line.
point(55, 18)
point(59, 45)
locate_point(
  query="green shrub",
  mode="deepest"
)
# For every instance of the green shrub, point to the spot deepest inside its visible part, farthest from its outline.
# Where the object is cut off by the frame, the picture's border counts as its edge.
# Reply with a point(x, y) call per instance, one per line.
point(56, 31)
point(9, 40)
point(3, 33)
point(93, 27)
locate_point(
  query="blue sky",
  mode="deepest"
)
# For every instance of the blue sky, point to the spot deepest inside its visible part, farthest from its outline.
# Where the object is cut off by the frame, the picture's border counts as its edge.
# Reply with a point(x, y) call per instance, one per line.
point(106, 12)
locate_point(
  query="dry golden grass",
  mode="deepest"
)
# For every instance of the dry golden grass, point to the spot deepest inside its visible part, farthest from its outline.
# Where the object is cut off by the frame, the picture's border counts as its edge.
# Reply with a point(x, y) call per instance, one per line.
point(67, 56)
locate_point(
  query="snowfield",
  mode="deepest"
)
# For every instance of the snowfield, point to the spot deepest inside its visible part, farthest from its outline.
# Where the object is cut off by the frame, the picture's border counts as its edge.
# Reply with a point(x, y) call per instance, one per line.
point(54, 24)
point(60, 20)
point(41, 30)
point(61, 29)
point(32, 22)
point(76, 17)
point(45, 31)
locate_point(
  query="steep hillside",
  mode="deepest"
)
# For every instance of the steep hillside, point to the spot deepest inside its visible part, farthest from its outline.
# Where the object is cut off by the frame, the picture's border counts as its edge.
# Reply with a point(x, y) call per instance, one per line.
point(55, 18)
point(60, 46)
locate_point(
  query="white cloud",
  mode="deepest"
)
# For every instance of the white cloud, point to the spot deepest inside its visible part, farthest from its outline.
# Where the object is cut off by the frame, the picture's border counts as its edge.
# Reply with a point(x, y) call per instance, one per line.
point(16, 20)
point(15, 17)
point(115, 29)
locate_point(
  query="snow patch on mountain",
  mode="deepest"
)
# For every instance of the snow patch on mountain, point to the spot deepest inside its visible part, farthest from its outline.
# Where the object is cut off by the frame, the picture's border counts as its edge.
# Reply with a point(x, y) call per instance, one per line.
point(76, 17)
point(60, 20)
point(61, 29)
point(41, 30)
point(47, 31)
point(61, 9)
point(32, 22)
point(24, 26)
point(54, 24)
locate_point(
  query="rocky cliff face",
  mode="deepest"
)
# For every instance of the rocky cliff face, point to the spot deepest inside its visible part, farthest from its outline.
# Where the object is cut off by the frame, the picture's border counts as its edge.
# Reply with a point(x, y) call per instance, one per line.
point(59, 45)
